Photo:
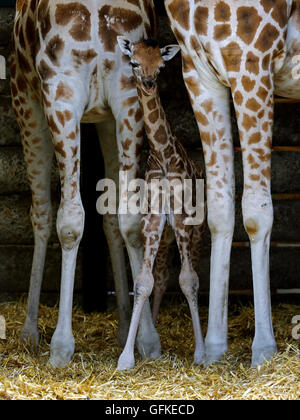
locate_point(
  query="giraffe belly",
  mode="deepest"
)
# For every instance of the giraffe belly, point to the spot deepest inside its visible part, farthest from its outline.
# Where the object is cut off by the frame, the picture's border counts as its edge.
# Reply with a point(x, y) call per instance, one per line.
point(97, 114)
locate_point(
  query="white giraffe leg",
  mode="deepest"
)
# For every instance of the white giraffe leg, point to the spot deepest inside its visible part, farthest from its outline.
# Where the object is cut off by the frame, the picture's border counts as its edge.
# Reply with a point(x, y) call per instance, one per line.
point(108, 142)
point(210, 102)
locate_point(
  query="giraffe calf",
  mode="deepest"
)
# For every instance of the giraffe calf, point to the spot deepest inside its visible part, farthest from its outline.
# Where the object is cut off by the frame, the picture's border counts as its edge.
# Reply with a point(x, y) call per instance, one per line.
point(168, 163)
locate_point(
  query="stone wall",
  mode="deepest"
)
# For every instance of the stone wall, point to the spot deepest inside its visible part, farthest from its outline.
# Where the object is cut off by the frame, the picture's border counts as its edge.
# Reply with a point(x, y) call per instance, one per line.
point(16, 241)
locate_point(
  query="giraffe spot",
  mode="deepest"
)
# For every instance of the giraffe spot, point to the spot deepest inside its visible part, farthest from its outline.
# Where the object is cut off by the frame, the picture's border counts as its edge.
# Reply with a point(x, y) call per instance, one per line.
point(114, 22)
point(232, 55)
point(75, 168)
point(127, 83)
point(153, 116)
point(55, 49)
point(126, 144)
point(248, 122)
point(267, 82)
point(213, 159)
point(201, 20)
point(207, 106)
point(68, 115)
point(279, 10)
point(238, 97)
point(180, 11)
point(130, 101)
point(192, 85)
point(266, 173)
point(251, 227)
point(254, 177)
point(21, 83)
point(252, 63)
point(63, 91)
point(72, 136)
point(80, 56)
point(222, 32)
point(253, 105)
point(80, 17)
point(45, 71)
point(261, 114)
point(59, 148)
point(201, 118)
point(138, 115)
point(28, 114)
point(248, 23)
point(23, 62)
point(43, 17)
point(255, 138)
point(108, 65)
point(151, 104)
point(266, 38)
point(265, 126)
point(161, 135)
point(52, 125)
point(60, 117)
point(262, 93)
point(222, 12)
point(248, 84)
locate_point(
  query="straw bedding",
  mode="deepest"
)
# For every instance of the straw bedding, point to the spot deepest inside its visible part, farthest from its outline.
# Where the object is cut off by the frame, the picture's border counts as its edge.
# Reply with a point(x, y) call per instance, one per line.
point(92, 373)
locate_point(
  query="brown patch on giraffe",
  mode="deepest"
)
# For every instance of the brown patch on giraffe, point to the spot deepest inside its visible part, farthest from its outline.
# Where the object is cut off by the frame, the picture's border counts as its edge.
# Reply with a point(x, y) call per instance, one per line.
point(252, 63)
point(249, 122)
point(180, 10)
point(138, 115)
point(60, 117)
point(248, 84)
point(75, 168)
point(213, 159)
point(127, 83)
point(262, 93)
point(72, 136)
point(248, 23)
point(55, 49)
point(266, 38)
point(83, 56)
point(52, 125)
point(80, 17)
point(63, 91)
point(59, 148)
point(201, 20)
point(232, 55)
point(253, 105)
point(161, 135)
point(126, 144)
point(251, 227)
point(279, 10)
point(192, 85)
point(23, 62)
point(43, 17)
point(201, 118)
point(266, 80)
point(153, 116)
point(68, 115)
point(114, 22)
point(222, 12)
point(266, 173)
point(21, 83)
point(222, 32)
point(45, 71)
point(254, 138)
point(207, 106)
point(238, 97)
point(151, 104)
point(130, 101)
point(108, 65)
point(254, 177)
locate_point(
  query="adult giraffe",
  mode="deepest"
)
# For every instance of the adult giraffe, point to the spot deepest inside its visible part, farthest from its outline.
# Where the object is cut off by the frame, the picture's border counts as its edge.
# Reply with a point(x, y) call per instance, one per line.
point(67, 68)
point(245, 48)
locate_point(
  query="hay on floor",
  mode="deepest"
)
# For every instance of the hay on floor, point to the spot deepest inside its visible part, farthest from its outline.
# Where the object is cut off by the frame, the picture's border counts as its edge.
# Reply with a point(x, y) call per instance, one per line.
point(92, 373)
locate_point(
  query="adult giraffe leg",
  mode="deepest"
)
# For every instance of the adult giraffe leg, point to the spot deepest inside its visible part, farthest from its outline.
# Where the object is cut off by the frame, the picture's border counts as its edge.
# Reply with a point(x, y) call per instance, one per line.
point(63, 116)
point(108, 142)
point(38, 154)
point(129, 128)
point(256, 127)
point(210, 101)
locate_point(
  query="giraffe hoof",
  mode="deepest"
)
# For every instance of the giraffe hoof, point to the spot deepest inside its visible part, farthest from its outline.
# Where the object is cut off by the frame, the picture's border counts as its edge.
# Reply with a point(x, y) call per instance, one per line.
point(214, 353)
point(29, 336)
point(61, 350)
point(125, 362)
point(262, 355)
point(199, 357)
